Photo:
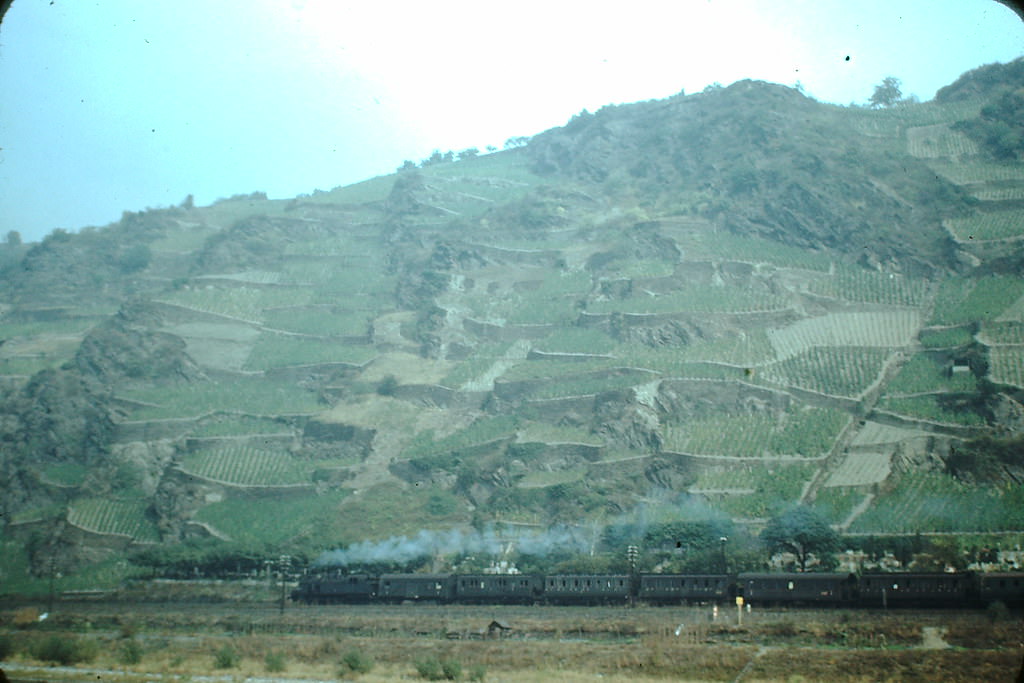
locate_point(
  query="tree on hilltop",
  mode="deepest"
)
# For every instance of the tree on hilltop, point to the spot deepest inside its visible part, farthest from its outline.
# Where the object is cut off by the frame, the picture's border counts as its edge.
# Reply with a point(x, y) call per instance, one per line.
point(887, 93)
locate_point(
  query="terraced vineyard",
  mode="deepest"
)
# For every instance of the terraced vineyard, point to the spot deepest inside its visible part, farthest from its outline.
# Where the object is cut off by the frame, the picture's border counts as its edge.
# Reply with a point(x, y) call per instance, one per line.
point(841, 371)
point(996, 225)
point(883, 329)
point(556, 332)
point(124, 518)
point(935, 502)
point(866, 286)
point(247, 466)
point(861, 469)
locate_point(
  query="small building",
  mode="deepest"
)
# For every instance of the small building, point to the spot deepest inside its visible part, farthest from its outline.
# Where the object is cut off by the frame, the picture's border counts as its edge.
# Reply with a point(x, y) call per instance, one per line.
point(960, 365)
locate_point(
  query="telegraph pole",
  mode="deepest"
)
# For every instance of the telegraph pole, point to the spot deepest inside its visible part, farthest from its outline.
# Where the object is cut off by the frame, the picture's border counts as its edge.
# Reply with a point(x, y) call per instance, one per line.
point(284, 563)
point(632, 555)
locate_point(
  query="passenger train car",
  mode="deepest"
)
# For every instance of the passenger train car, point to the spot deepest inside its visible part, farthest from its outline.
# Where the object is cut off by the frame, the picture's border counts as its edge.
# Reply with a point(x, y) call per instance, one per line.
point(873, 590)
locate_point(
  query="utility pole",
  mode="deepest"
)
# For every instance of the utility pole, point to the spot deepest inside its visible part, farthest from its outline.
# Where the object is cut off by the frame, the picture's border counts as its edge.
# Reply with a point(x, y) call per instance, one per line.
point(725, 566)
point(632, 556)
point(53, 582)
point(284, 564)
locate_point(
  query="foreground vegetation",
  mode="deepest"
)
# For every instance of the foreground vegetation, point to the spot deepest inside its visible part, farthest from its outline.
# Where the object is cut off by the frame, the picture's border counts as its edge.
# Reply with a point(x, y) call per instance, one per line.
point(437, 643)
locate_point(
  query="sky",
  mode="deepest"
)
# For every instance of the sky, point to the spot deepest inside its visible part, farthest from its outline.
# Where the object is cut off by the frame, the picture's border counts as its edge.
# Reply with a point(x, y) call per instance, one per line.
point(114, 105)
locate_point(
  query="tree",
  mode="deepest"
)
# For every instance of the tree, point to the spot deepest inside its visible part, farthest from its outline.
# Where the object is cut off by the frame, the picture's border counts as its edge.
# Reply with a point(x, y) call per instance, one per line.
point(13, 238)
point(887, 93)
point(803, 532)
point(470, 153)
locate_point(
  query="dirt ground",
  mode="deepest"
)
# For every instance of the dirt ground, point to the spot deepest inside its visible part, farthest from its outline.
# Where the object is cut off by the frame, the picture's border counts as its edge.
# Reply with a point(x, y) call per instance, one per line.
point(176, 642)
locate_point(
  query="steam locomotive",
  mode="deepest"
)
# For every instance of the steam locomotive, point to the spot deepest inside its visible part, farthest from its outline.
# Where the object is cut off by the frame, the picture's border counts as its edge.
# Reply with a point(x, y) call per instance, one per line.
point(897, 589)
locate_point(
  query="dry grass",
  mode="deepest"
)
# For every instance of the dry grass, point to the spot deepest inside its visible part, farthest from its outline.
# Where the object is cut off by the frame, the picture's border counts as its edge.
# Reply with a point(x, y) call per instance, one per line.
point(902, 666)
point(547, 644)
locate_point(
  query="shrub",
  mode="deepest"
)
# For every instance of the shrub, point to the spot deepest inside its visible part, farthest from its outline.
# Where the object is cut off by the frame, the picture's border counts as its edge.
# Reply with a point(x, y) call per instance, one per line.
point(439, 670)
point(275, 662)
point(65, 650)
point(357, 661)
point(387, 386)
point(452, 669)
point(477, 672)
point(6, 647)
point(131, 652)
point(430, 669)
point(225, 658)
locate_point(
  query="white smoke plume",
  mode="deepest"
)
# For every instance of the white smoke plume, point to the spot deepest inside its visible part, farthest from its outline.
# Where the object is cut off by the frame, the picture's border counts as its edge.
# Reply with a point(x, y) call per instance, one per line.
point(429, 543)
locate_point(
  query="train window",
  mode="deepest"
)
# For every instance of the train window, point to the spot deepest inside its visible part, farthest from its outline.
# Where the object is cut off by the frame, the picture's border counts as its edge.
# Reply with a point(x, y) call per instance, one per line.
point(790, 586)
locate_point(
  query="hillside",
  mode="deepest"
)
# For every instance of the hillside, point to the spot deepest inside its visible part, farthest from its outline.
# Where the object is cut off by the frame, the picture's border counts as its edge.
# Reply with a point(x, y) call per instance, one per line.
point(706, 307)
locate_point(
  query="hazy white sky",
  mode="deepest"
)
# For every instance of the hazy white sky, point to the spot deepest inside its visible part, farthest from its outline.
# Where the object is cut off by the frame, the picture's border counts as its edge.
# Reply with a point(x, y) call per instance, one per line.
point(110, 105)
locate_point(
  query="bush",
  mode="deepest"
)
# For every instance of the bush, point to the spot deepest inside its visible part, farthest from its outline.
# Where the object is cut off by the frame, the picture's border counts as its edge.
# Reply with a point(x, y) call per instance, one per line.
point(65, 650)
point(429, 669)
point(387, 386)
point(357, 661)
point(6, 647)
point(225, 658)
point(477, 672)
point(452, 669)
point(439, 670)
point(275, 662)
point(131, 652)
